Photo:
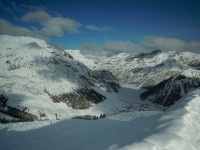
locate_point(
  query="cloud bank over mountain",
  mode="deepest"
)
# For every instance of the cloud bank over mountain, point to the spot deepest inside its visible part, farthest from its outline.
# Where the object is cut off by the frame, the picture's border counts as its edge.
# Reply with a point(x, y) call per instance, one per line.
point(145, 44)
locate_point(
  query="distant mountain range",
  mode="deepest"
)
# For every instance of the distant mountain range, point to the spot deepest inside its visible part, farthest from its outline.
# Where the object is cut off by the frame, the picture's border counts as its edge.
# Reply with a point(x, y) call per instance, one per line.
point(167, 76)
point(40, 81)
point(149, 69)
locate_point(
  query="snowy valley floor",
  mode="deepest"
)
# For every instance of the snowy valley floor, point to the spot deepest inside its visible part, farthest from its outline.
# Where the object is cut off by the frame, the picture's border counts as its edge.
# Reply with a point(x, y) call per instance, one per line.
point(177, 128)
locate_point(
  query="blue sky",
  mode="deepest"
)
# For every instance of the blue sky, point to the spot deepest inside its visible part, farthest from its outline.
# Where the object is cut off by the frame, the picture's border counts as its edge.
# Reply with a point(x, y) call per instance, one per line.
point(106, 26)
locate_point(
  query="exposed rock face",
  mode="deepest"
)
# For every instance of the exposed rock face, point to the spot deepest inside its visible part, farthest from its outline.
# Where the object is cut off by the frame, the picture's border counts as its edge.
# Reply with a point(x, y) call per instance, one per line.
point(171, 90)
point(81, 99)
point(109, 78)
point(21, 115)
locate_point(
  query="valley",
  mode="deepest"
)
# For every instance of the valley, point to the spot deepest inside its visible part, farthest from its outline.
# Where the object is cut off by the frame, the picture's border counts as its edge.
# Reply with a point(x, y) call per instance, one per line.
point(52, 98)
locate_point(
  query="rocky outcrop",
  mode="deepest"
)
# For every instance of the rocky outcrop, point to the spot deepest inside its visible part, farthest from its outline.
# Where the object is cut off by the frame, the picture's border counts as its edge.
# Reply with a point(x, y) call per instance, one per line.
point(81, 99)
point(21, 115)
point(110, 79)
point(171, 90)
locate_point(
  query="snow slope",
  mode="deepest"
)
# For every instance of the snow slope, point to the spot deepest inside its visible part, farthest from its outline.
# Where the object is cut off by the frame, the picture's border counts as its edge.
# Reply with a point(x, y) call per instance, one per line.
point(176, 129)
point(40, 81)
point(89, 62)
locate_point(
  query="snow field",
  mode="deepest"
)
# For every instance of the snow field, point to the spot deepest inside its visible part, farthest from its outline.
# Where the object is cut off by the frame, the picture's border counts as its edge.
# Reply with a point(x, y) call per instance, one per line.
point(176, 129)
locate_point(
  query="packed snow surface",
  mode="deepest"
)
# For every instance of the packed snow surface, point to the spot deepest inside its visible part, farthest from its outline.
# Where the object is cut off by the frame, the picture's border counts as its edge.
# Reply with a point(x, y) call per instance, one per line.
point(176, 129)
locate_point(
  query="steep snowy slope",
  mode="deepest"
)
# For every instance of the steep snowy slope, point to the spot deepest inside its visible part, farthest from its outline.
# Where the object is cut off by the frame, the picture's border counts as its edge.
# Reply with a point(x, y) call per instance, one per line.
point(144, 70)
point(89, 62)
point(171, 90)
point(92, 64)
point(40, 81)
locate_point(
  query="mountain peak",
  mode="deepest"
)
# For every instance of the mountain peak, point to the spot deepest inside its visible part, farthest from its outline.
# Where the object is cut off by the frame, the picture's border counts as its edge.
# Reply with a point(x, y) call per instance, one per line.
point(39, 79)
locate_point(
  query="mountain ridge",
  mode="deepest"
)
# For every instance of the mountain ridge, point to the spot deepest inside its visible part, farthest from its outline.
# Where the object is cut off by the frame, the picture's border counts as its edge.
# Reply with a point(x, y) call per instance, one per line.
point(141, 69)
point(41, 79)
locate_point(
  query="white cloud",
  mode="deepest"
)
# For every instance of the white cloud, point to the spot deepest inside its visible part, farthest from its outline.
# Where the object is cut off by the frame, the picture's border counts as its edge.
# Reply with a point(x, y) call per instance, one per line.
point(166, 44)
point(110, 48)
point(52, 26)
point(56, 26)
point(121, 46)
point(36, 16)
point(147, 43)
point(100, 29)
point(11, 29)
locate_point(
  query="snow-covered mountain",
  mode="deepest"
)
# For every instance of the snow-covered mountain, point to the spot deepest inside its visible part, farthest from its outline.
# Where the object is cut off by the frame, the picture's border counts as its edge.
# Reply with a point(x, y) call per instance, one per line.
point(171, 90)
point(149, 69)
point(167, 75)
point(40, 81)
